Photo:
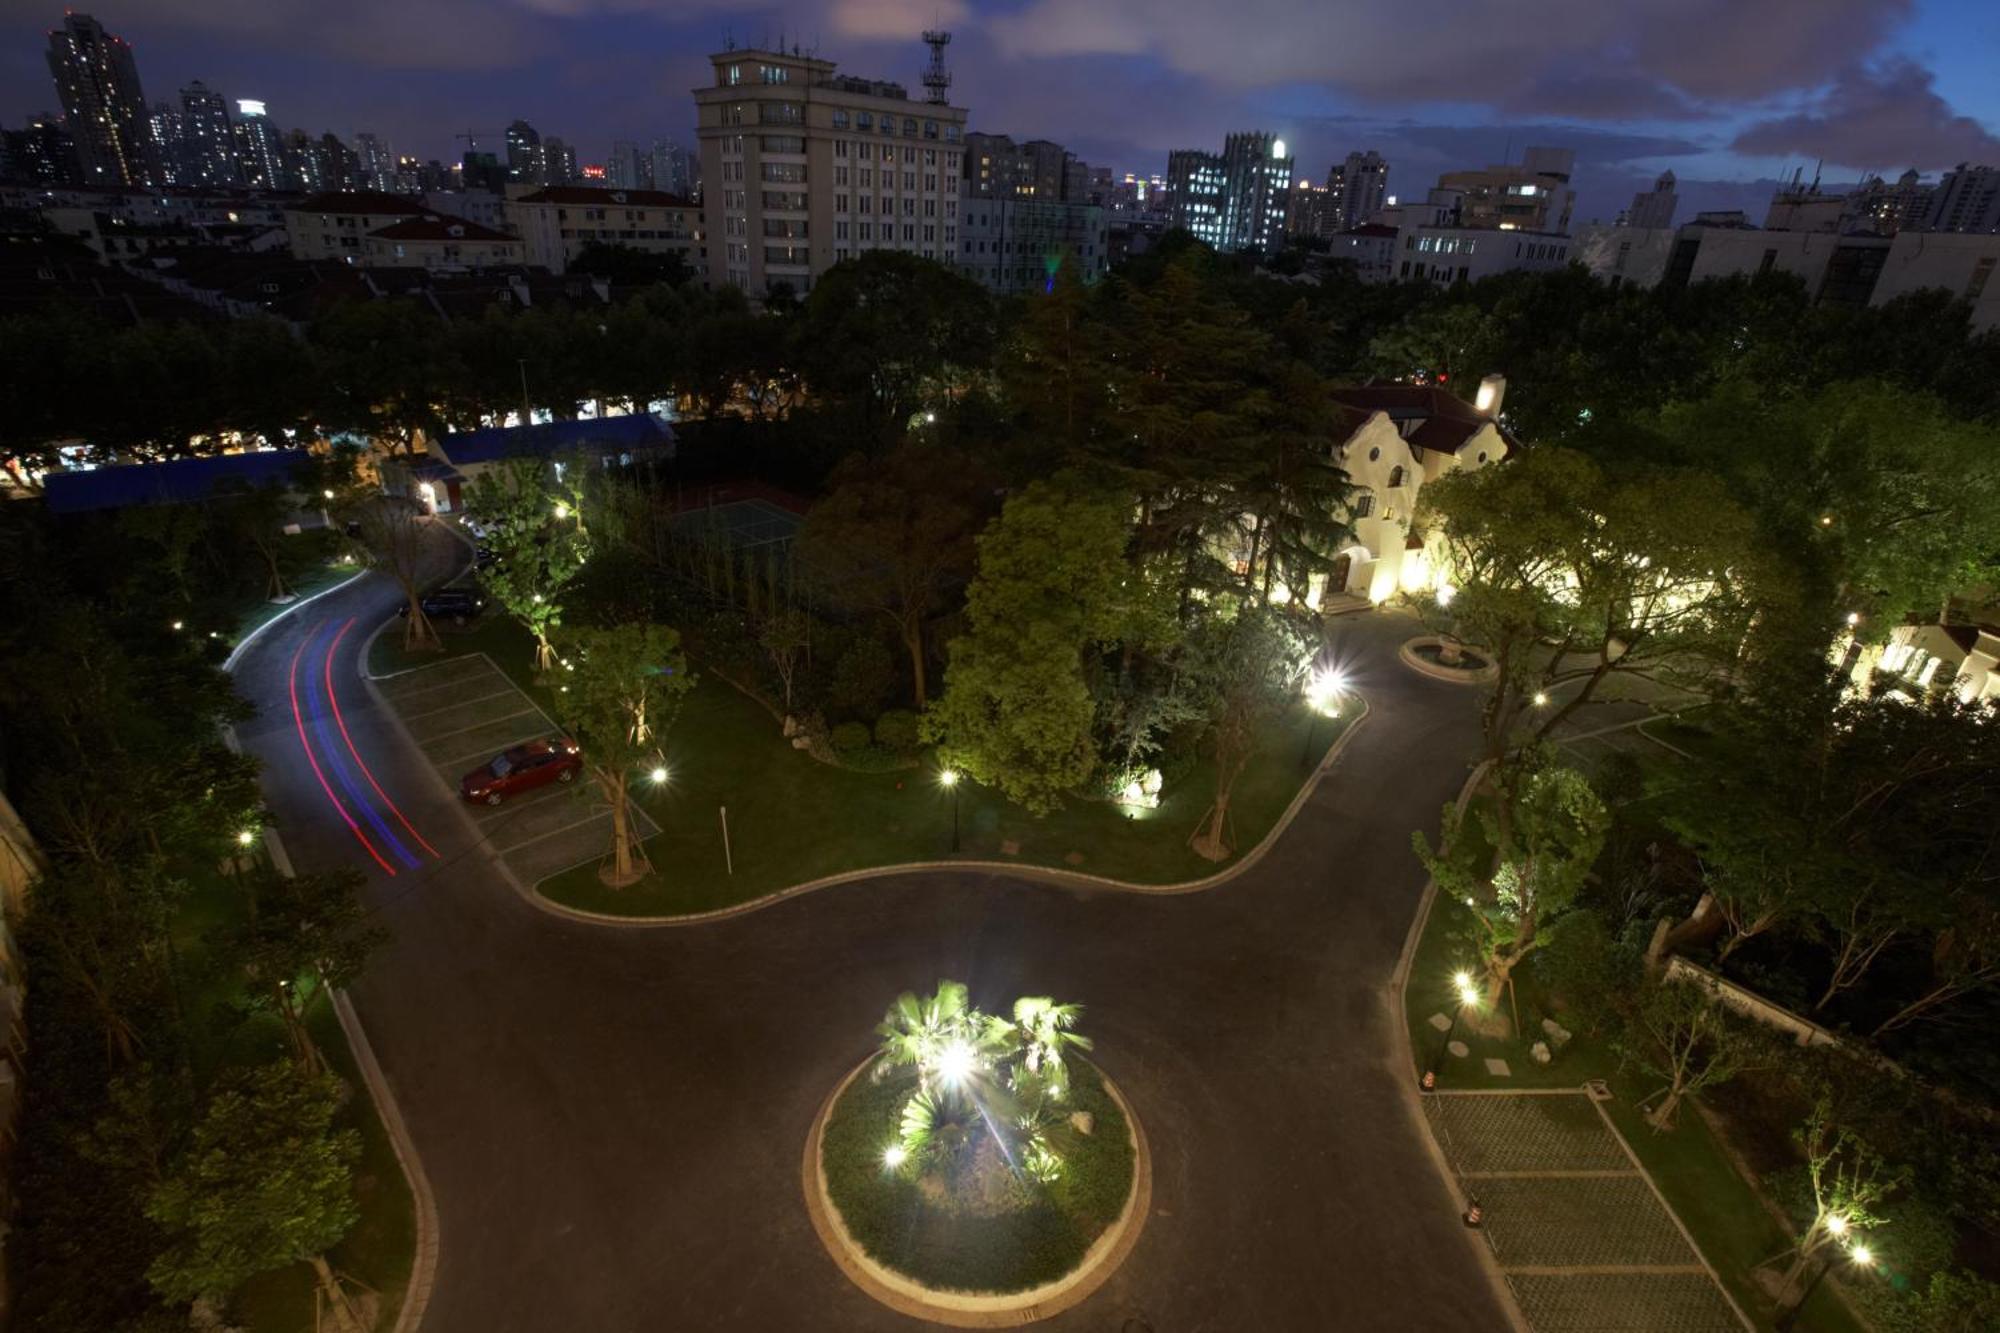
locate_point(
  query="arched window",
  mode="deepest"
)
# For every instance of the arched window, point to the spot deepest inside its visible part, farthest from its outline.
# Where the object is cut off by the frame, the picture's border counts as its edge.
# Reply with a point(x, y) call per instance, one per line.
point(1364, 504)
point(1395, 476)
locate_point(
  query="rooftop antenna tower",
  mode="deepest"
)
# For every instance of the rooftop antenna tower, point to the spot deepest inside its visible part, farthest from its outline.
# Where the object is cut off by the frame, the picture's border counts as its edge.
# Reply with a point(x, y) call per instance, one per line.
point(937, 79)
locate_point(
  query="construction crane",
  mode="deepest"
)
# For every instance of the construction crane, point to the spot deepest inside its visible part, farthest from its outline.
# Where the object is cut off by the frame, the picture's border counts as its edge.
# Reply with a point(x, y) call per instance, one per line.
point(471, 138)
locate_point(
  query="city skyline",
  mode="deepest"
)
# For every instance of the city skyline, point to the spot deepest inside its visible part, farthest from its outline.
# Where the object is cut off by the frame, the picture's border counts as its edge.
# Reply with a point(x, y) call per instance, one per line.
point(1890, 87)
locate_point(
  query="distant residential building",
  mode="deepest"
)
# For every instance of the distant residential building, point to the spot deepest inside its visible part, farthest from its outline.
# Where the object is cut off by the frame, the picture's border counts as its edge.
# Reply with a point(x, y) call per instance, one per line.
point(996, 167)
point(1448, 254)
point(98, 82)
point(1888, 209)
point(334, 225)
point(1234, 200)
point(164, 124)
point(260, 151)
point(1967, 199)
point(1370, 247)
point(558, 162)
point(1654, 207)
point(208, 138)
point(1312, 210)
point(674, 170)
point(525, 165)
point(1964, 659)
point(1534, 195)
point(377, 165)
point(803, 167)
point(483, 171)
point(41, 153)
point(558, 224)
point(628, 168)
point(1362, 183)
point(1014, 246)
point(440, 242)
point(486, 207)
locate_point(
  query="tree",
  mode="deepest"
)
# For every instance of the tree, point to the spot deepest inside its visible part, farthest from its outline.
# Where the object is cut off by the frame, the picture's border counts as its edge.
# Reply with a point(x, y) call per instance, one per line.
point(393, 530)
point(1954, 1301)
point(892, 536)
point(784, 635)
point(1249, 663)
point(1452, 344)
point(627, 266)
point(1544, 853)
point(1680, 1034)
point(1016, 710)
point(891, 332)
point(303, 936)
point(621, 691)
point(257, 515)
point(1844, 1187)
point(266, 1182)
point(1637, 572)
point(535, 529)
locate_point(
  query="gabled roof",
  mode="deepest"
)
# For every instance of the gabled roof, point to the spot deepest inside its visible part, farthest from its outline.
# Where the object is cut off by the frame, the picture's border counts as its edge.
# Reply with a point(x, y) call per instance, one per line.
point(359, 201)
point(591, 196)
point(639, 430)
point(437, 227)
point(177, 482)
point(1442, 420)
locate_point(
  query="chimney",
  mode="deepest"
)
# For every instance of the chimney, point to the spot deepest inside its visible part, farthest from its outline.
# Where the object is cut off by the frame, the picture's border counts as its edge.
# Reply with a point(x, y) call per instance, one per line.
point(1492, 392)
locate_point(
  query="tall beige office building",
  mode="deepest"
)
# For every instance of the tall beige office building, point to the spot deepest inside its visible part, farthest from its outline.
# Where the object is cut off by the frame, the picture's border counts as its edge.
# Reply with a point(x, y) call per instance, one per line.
point(803, 167)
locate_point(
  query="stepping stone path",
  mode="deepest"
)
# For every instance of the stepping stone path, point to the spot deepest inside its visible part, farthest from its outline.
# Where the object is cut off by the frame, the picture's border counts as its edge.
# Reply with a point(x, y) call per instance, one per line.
point(1459, 1049)
point(1498, 1067)
point(1440, 1022)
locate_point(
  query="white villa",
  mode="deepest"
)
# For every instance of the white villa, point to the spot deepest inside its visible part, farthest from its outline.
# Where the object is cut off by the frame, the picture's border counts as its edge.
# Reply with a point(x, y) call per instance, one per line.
point(1396, 438)
point(1964, 658)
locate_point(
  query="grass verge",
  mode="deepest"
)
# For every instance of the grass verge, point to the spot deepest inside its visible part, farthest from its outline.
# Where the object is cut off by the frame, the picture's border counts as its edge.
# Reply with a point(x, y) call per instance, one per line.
point(892, 1218)
point(794, 819)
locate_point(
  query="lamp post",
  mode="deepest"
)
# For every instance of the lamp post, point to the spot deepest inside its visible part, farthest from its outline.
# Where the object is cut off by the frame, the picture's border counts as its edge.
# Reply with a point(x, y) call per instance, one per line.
point(950, 779)
point(1859, 1255)
point(1468, 996)
point(1323, 689)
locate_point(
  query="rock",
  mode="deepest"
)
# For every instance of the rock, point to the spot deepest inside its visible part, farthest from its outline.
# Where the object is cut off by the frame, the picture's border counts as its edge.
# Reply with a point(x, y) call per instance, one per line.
point(1009, 847)
point(801, 743)
point(1082, 1121)
point(1540, 1051)
point(1558, 1035)
point(1459, 1049)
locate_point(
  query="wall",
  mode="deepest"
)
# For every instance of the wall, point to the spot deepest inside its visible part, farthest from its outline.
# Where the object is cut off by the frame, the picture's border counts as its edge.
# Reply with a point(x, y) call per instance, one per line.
point(1950, 260)
point(1625, 256)
point(1803, 1031)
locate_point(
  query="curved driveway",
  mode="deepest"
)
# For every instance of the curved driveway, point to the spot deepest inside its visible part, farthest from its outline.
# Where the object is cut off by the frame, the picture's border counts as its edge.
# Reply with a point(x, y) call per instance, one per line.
point(612, 1118)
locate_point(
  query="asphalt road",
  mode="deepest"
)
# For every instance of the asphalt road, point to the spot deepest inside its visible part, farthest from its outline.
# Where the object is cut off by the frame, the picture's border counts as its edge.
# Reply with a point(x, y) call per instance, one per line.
point(612, 1119)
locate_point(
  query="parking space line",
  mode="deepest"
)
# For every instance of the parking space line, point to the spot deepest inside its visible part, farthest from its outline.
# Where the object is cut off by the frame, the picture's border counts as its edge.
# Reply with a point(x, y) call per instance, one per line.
point(455, 703)
point(460, 731)
point(543, 837)
point(491, 814)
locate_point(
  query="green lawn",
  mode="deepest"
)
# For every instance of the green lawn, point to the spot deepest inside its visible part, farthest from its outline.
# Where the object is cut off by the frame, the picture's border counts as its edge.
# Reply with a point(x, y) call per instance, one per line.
point(1692, 1169)
point(792, 818)
point(380, 1249)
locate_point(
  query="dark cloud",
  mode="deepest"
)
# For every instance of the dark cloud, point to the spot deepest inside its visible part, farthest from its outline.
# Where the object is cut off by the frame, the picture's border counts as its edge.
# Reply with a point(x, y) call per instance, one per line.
point(1884, 116)
point(1639, 58)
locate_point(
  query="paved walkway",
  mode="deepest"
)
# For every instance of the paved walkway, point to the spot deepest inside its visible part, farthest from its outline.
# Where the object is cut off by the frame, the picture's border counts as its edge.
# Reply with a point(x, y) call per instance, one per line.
point(1582, 1237)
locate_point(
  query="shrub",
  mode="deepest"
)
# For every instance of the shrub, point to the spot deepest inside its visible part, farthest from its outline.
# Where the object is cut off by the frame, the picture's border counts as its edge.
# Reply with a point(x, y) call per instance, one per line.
point(862, 678)
point(849, 738)
point(874, 759)
point(897, 730)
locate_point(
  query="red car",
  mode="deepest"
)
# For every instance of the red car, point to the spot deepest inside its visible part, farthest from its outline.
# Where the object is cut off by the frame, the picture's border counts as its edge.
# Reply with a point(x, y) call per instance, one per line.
point(522, 769)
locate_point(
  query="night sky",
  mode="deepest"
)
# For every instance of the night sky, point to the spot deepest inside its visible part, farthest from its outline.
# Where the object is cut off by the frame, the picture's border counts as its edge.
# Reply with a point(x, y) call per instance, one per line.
point(1731, 94)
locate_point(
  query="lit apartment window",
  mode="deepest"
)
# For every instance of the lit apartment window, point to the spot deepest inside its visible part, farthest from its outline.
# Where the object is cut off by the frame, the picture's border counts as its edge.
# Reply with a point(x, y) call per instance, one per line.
point(732, 75)
point(774, 73)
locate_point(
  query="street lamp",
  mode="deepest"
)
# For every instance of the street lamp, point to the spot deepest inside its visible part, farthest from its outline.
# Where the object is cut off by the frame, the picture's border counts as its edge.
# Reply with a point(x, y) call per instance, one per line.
point(1857, 1254)
point(951, 781)
point(245, 838)
point(1468, 997)
point(658, 775)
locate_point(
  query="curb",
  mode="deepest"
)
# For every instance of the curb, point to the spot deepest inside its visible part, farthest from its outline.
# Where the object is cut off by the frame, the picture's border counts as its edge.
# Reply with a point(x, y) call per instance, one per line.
point(905, 1295)
point(423, 1263)
point(1049, 875)
point(1407, 655)
point(1406, 1068)
point(229, 662)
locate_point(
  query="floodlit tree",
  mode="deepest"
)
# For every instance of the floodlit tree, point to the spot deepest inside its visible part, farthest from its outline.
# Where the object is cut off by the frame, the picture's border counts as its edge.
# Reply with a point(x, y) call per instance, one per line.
point(1249, 665)
point(1016, 710)
point(893, 535)
point(1452, 344)
point(1634, 573)
point(304, 936)
point(1845, 1187)
point(266, 1182)
point(1544, 853)
point(394, 531)
point(1680, 1034)
point(621, 690)
point(785, 637)
point(257, 515)
point(535, 529)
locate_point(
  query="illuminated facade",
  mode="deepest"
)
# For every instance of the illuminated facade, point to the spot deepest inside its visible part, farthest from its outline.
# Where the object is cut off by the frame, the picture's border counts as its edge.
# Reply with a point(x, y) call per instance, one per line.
point(98, 81)
point(1235, 200)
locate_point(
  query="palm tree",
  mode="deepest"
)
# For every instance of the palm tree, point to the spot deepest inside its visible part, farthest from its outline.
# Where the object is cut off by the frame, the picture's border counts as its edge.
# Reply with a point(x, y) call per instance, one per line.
point(920, 1032)
point(1043, 1029)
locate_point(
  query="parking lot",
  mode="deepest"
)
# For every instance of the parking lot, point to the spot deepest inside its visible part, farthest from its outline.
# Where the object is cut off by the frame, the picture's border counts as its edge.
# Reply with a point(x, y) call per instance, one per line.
point(463, 711)
point(1584, 1241)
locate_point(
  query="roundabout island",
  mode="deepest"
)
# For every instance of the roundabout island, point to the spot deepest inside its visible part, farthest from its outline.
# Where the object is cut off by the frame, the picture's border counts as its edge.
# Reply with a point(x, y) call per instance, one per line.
point(977, 1171)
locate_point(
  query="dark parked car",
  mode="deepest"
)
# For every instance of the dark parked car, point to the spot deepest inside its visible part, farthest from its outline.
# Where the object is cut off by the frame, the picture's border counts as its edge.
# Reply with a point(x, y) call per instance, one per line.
point(482, 557)
point(457, 605)
point(522, 769)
